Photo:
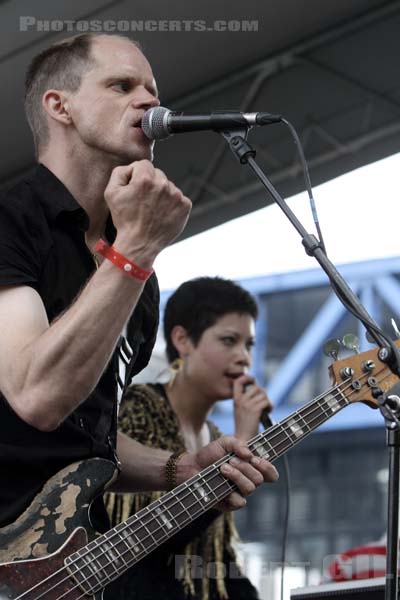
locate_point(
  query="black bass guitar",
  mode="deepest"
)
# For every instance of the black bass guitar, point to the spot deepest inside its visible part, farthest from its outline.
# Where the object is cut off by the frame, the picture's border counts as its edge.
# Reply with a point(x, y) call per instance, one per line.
point(51, 553)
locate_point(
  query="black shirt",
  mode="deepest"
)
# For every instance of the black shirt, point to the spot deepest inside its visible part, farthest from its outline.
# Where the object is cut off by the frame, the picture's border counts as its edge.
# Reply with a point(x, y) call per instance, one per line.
point(42, 244)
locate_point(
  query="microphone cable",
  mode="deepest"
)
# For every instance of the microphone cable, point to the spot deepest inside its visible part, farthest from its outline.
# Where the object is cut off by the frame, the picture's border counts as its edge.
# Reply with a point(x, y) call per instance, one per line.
point(307, 180)
point(366, 320)
point(267, 422)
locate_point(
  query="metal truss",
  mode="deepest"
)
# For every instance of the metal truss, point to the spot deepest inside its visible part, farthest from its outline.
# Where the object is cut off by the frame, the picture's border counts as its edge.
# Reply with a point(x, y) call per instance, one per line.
point(333, 146)
point(377, 284)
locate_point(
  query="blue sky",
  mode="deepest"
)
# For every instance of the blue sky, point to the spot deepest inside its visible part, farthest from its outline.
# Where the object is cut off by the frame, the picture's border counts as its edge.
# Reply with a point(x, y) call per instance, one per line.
point(359, 216)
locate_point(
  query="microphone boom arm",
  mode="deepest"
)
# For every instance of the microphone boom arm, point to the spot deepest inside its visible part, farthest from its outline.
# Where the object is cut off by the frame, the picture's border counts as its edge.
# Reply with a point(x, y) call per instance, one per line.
point(245, 155)
point(388, 353)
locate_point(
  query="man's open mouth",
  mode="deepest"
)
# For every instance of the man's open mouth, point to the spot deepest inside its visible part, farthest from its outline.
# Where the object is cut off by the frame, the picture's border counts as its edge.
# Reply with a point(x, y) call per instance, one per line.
point(233, 375)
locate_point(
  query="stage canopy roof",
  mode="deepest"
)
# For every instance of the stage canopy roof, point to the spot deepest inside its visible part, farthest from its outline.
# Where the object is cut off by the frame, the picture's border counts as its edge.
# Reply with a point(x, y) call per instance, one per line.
point(331, 68)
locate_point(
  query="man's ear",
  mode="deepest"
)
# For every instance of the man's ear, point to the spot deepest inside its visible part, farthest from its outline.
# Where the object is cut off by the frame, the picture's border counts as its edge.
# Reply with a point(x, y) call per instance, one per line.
point(181, 340)
point(56, 105)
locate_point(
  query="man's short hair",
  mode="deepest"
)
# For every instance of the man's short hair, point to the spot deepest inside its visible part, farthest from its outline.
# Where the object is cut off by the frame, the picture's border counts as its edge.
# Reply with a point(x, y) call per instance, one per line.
point(60, 67)
point(198, 303)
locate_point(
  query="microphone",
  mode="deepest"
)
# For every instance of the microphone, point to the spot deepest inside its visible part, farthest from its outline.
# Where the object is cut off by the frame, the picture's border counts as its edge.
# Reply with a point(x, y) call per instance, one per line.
point(159, 123)
point(265, 419)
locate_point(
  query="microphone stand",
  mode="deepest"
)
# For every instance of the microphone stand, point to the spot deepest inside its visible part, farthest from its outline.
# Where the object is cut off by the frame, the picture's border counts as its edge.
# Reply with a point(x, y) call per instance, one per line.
point(388, 353)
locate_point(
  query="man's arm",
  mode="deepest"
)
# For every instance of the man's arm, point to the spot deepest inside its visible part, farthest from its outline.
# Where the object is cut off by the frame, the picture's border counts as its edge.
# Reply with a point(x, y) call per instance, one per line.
point(143, 468)
point(47, 371)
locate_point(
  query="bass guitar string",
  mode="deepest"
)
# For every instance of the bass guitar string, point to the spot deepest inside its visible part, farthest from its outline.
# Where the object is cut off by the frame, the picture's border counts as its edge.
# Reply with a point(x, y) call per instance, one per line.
point(136, 558)
point(215, 468)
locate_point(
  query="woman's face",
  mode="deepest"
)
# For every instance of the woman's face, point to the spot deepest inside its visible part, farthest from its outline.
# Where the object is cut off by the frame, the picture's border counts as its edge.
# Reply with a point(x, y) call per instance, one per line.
point(222, 354)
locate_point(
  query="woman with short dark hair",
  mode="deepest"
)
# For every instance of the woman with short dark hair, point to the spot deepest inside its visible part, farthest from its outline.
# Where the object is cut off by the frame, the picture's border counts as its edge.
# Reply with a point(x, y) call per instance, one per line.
point(209, 335)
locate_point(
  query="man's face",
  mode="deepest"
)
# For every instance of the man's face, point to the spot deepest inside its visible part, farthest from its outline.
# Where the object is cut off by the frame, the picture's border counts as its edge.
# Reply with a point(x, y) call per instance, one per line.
point(113, 96)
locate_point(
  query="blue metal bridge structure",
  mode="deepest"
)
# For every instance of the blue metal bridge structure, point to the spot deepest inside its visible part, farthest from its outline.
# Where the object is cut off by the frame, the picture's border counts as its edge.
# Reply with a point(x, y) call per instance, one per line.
point(298, 312)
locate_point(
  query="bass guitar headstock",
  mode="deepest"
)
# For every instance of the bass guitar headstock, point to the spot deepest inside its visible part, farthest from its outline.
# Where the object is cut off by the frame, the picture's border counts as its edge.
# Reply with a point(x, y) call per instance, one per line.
point(362, 376)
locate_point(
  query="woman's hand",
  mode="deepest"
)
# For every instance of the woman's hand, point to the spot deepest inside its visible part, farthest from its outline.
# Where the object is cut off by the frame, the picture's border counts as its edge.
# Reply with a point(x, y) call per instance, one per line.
point(249, 400)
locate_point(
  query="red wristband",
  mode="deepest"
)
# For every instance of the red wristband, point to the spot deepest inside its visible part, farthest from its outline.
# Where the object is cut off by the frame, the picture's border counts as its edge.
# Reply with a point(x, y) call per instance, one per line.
point(127, 266)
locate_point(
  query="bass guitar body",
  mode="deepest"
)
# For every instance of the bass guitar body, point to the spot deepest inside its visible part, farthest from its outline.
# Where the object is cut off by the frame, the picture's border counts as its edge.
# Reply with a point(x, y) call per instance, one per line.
point(34, 548)
point(52, 553)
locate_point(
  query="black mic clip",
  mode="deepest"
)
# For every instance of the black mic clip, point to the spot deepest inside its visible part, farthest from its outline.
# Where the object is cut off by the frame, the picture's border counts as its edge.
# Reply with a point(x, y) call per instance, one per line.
point(236, 139)
point(389, 405)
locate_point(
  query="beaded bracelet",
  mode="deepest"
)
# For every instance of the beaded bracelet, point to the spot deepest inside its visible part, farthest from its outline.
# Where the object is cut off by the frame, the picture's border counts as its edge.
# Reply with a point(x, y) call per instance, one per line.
point(171, 468)
point(126, 265)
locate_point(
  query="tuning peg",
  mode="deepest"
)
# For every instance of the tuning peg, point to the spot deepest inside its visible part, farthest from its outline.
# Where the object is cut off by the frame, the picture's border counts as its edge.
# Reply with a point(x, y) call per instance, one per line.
point(395, 328)
point(351, 342)
point(331, 348)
